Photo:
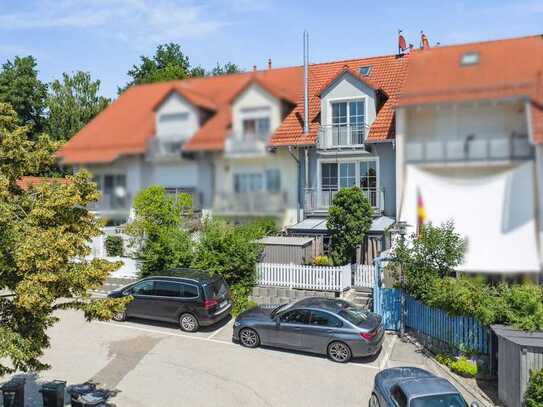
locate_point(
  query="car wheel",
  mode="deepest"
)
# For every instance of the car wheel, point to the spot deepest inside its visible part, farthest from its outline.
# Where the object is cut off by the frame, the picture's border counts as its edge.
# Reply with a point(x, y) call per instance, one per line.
point(249, 338)
point(188, 323)
point(374, 401)
point(339, 352)
point(120, 316)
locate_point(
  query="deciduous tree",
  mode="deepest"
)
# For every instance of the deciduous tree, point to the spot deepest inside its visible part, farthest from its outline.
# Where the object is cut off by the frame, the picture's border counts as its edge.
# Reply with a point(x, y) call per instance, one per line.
point(21, 88)
point(72, 103)
point(44, 235)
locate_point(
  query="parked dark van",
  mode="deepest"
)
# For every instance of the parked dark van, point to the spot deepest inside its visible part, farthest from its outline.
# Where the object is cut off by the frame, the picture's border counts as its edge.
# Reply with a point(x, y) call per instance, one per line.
point(191, 298)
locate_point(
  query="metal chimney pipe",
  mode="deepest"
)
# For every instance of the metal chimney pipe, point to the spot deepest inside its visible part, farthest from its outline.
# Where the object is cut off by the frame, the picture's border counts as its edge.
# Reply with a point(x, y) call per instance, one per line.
point(306, 82)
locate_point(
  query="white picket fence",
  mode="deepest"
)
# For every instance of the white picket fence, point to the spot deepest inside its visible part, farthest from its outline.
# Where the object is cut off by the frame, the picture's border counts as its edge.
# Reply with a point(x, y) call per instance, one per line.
point(364, 275)
point(314, 277)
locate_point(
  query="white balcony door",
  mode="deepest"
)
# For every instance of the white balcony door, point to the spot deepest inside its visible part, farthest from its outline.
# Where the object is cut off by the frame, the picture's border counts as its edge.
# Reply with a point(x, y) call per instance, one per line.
point(348, 119)
point(337, 175)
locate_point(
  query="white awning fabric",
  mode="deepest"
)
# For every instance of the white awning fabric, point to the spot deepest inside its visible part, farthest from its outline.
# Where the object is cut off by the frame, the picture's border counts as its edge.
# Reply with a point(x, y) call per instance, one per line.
point(494, 212)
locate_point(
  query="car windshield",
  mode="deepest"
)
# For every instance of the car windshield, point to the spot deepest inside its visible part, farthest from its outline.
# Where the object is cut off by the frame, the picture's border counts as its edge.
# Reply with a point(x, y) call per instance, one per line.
point(439, 400)
point(355, 315)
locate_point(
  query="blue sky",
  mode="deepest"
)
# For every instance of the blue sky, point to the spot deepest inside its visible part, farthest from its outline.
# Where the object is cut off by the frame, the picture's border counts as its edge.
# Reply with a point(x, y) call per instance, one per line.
point(106, 37)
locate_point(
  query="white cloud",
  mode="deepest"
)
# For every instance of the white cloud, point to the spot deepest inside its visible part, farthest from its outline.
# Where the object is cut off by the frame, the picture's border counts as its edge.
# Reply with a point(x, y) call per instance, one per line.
point(143, 21)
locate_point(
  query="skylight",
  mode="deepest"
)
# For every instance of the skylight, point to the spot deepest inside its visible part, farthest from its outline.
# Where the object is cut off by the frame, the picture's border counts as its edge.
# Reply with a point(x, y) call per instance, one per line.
point(470, 58)
point(365, 70)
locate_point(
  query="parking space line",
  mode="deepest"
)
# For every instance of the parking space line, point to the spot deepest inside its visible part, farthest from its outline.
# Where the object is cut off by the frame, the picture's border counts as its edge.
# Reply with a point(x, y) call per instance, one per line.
point(213, 334)
point(388, 352)
point(159, 332)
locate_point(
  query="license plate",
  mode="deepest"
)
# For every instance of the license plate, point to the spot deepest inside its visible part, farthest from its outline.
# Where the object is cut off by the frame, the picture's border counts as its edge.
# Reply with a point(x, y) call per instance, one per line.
point(223, 304)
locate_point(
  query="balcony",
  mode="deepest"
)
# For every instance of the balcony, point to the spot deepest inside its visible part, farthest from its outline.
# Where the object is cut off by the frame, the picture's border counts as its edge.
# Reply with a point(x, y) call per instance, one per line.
point(472, 149)
point(164, 148)
point(250, 203)
point(240, 144)
point(112, 205)
point(339, 136)
point(320, 201)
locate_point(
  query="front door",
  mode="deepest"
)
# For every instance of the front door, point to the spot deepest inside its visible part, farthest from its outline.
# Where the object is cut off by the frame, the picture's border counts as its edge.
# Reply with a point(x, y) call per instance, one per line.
point(288, 330)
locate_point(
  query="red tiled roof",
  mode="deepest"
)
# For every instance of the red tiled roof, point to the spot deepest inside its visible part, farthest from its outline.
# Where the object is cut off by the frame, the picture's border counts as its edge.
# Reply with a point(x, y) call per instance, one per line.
point(506, 68)
point(387, 73)
point(353, 73)
point(27, 182)
point(127, 124)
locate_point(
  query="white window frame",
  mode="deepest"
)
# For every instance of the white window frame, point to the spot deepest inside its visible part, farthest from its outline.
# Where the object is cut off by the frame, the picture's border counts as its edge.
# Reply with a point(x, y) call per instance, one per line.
point(357, 162)
point(331, 101)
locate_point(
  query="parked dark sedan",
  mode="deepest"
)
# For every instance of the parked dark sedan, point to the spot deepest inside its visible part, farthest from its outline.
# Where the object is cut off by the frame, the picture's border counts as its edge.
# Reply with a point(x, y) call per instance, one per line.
point(336, 328)
point(190, 298)
point(414, 387)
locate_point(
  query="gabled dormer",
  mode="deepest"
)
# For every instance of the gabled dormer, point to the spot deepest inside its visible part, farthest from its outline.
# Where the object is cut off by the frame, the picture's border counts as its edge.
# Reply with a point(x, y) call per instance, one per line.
point(257, 109)
point(349, 105)
point(178, 116)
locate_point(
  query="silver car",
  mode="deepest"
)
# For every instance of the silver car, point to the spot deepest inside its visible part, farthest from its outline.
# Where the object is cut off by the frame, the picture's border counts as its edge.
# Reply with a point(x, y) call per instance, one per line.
point(332, 327)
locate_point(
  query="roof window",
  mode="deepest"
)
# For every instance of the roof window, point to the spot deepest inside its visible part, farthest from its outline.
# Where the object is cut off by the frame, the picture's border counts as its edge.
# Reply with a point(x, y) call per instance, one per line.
point(470, 58)
point(365, 70)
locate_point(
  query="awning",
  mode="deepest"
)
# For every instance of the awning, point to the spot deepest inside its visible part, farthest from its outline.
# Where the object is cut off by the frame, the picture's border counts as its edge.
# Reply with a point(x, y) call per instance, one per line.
point(494, 212)
point(318, 225)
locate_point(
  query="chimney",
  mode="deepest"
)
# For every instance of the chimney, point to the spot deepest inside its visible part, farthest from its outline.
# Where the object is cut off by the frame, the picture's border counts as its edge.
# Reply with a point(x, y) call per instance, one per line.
point(424, 43)
point(269, 63)
point(254, 68)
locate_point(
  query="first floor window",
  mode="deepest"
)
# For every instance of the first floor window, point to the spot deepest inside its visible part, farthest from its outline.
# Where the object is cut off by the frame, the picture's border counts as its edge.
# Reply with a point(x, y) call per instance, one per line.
point(347, 176)
point(273, 180)
point(248, 182)
point(361, 173)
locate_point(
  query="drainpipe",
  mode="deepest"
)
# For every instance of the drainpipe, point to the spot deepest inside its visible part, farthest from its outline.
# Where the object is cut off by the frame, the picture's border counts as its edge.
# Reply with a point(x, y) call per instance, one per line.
point(306, 82)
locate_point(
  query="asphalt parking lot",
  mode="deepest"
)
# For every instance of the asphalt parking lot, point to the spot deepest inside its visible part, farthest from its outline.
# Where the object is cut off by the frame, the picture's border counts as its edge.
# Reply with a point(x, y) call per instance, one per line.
point(158, 365)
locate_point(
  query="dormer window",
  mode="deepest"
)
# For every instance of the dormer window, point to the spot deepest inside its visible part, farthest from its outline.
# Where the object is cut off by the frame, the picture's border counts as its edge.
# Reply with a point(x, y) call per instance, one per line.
point(259, 128)
point(470, 58)
point(365, 70)
point(173, 117)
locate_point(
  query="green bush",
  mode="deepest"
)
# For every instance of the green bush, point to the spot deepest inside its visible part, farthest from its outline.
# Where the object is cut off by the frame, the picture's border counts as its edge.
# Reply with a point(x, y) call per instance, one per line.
point(114, 245)
point(322, 261)
point(521, 305)
point(534, 393)
point(464, 367)
point(157, 232)
point(240, 299)
point(230, 251)
point(445, 359)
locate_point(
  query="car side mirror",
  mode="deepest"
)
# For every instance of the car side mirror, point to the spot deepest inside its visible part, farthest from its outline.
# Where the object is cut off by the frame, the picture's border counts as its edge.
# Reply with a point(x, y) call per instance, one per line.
point(127, 292)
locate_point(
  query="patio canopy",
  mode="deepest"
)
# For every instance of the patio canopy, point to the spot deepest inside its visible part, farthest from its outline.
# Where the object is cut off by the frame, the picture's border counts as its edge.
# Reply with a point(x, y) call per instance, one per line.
point(492, 209)
point(318, 226)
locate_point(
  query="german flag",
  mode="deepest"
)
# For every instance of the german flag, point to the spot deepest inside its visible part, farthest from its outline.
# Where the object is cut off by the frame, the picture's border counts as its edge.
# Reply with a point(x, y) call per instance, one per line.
point(421, 212)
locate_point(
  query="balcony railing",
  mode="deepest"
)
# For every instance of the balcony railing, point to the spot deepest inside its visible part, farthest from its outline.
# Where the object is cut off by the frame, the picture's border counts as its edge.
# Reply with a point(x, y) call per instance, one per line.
point(245, 144)
point(164, 148)
point(315, 200)
point(342, 136)
point(253, 202)
point(516, 147)
point(112, 203)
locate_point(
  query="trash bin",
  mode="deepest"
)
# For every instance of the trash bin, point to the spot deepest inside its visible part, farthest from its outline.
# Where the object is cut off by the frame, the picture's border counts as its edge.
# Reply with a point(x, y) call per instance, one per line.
point(53, 393)
point(14, 392)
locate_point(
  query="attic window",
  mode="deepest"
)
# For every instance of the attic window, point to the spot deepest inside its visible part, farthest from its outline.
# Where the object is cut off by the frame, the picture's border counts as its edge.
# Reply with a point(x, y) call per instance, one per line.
point(470, 58)
point(365, 70)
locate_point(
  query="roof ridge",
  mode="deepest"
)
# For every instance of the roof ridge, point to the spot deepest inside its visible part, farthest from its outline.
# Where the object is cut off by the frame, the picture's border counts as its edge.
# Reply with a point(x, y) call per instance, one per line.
point(463, 44)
